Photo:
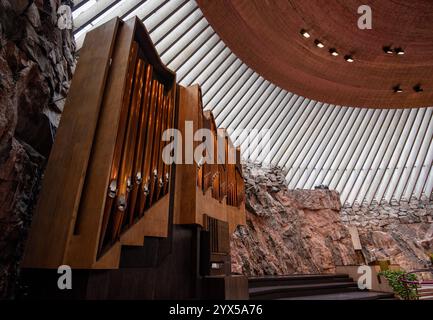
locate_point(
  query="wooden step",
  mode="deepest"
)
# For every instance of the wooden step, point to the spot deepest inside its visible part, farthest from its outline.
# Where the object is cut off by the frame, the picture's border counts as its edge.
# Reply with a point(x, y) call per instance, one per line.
point(355, 295)
point(298, 290)
point(266, 281)
point(425, 292)
point(311, 287)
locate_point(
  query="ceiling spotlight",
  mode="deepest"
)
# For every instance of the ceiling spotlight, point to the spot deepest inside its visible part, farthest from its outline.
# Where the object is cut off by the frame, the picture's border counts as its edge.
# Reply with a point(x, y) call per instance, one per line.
point(418, 88)
point(388, 50)
point(319, 44)
point(349, 58)
point(333, 52)
point(399, 51)
point(305, 34)
point(398, 89)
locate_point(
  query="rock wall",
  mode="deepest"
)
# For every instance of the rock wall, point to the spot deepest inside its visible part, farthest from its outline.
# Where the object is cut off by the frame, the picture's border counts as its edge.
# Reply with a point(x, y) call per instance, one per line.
point(304, 231)
point(36, 66)
point(377, 216)
point(288, 231)
point(402, 233)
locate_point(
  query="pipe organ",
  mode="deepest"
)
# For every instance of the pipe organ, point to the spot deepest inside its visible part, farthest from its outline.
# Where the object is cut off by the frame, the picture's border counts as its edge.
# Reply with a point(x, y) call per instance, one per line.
point(106, 187)
point(214, 189)
point(138, 177)
point(224, 178)
point(106, 184)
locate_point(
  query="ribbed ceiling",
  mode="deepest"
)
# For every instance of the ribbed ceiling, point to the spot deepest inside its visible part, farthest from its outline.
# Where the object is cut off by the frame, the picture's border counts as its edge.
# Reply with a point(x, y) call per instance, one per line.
point(368, 155)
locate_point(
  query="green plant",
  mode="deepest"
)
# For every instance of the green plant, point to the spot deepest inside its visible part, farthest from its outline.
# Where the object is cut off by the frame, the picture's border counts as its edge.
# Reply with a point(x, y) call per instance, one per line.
point(405, 291)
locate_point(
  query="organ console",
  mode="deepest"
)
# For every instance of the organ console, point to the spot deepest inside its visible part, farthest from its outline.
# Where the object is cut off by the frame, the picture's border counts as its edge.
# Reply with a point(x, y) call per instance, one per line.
point(106, 187)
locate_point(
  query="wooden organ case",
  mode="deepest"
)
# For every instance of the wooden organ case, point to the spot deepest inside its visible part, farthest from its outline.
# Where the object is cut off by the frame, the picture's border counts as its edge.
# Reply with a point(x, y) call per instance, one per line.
point(107, 196)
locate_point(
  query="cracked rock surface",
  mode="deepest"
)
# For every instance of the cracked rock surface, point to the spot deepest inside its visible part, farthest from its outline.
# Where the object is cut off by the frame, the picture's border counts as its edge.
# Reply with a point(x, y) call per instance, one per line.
point(305, 231)
point(37, 61)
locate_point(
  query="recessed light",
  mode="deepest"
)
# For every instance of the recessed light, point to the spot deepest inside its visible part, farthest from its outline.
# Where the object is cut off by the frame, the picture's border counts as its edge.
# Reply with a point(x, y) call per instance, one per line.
point(319, 44)
point(305, 34)
point(418, 88)
point(349, 58)
point(399, 51)
point(388, 50)
point(333, 52)
point(398, 89)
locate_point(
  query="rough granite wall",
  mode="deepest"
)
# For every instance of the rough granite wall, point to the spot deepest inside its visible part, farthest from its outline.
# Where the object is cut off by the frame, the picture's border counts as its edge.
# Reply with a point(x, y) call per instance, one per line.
point(304, 231)
point(287, 232)
point(36, 66)
point(400, 232)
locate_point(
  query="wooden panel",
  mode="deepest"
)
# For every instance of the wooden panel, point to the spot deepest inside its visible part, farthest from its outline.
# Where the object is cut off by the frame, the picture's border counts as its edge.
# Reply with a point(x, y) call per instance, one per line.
point(97, 180)
point(214, 247)
point(207, 204)
point(356, 242)
point(236, 217)
point(224, 237)
point(203, 189)
point(155, 221)
point(236, 287)
point(232, 287)
point(185, 194)
point(153, 224)
point(67, 165)
point(219, 234)
point(110, 260)
point(174, 278)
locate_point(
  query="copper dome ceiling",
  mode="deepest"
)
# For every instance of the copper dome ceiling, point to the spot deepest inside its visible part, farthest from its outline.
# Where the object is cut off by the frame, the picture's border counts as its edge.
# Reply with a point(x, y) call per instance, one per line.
point(266, 36)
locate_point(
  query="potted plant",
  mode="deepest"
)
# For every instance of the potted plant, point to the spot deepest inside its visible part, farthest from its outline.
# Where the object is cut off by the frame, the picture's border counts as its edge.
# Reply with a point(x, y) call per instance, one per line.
point(402, 290)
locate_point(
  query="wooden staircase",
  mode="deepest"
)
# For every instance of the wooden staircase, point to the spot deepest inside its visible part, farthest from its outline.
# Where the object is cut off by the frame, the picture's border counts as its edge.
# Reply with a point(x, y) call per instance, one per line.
point(310, 287)
point(425, 292)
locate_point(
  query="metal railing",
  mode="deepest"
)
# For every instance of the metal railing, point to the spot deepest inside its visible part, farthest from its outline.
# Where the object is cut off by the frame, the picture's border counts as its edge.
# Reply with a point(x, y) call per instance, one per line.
point(423, 287)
